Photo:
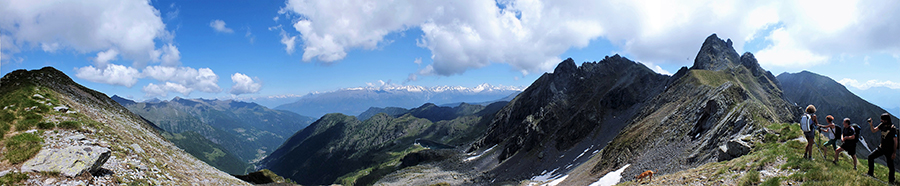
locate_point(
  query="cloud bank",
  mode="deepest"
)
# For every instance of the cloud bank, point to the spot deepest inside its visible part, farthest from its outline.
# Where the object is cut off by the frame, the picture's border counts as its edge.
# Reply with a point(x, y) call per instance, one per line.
point(869, 84)
point(529, 35)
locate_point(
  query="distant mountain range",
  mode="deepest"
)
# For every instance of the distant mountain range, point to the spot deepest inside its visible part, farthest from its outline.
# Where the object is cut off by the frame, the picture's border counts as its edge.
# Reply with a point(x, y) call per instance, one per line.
point(354, 101)
point(882, 96)
point(343, 149)
point(247, 131)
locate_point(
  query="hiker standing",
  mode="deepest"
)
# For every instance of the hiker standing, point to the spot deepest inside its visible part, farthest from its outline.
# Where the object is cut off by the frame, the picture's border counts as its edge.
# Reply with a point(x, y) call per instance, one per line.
point(807, 123)
point(831, 131)
point(888, 145)
point(849, 136)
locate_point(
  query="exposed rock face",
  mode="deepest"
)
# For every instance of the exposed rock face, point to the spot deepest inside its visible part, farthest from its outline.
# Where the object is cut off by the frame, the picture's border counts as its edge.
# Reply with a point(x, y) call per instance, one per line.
point(716, 55)
point(582, 107)
point(723, 96)
point(734, 148)
point(70, 161)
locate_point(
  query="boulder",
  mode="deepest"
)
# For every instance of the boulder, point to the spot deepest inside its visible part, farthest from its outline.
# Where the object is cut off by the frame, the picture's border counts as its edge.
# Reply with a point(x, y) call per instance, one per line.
point(733, 148)
point(70, 161)
point(61, 108)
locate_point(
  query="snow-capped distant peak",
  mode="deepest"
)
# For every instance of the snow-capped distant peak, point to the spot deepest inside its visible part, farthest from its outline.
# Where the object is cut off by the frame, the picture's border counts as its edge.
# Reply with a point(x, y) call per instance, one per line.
point(437, 89)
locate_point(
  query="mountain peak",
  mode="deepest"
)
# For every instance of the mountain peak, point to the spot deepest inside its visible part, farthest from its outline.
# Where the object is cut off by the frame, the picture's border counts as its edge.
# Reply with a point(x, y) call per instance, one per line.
point(121, 100)
point(716, 54)
point(565, 67)
point(47, 76)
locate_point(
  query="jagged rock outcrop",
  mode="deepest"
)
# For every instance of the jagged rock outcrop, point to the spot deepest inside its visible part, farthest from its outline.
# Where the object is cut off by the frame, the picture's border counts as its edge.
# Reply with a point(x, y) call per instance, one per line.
point(721, 97)
point(574, 106)
point(716, 54)
point(734, 148)
point(70, 161)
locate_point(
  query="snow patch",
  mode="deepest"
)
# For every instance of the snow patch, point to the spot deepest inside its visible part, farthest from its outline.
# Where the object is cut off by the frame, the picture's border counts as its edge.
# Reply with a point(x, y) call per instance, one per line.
point(479, 155)
point(548, 178)
point(545, 176)
point(611, 178)
point(585, 151)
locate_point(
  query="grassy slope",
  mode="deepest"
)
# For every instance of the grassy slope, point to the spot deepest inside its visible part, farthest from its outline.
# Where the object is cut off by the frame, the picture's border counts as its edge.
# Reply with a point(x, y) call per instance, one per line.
point(94, 115)
point(207, 151)
point(776, 160)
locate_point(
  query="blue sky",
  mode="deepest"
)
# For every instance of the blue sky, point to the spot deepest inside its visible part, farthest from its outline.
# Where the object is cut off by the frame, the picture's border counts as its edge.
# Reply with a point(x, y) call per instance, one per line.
point(211, 49)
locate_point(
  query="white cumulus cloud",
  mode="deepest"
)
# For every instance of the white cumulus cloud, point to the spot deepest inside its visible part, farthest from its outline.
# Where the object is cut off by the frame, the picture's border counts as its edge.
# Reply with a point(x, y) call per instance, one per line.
point(154, 90)
point(869, 84)
point(529, 35)
point(219, 26)
point(243, 84)
point(112, 74)
point(288, 41)
point(129, 27)
point(202, 79)
point(104, 57)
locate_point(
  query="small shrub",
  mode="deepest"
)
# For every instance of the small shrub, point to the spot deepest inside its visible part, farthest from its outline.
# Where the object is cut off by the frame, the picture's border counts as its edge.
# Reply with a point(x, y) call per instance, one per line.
point(774, 181)
point(13, 178)
point(33, 116)
point(46, 125)
point(750, 178)
point(4, 127)
point(6, 116)
point(69, 125)
point(22, 147)
point(26, 124)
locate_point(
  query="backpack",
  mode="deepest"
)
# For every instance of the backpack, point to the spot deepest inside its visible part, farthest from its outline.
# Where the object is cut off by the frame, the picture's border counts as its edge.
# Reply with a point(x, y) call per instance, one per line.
point(805, 123)
point(855, 129)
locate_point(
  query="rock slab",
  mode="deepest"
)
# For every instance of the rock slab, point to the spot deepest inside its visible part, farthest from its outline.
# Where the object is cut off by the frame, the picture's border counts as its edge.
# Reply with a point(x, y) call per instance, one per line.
point(70, 161)
point(734, 148)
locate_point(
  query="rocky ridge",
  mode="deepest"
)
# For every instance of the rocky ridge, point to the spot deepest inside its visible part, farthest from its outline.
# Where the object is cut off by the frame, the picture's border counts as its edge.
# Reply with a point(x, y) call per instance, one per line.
point(138, 154)
point(717, 102)
point(555, 129)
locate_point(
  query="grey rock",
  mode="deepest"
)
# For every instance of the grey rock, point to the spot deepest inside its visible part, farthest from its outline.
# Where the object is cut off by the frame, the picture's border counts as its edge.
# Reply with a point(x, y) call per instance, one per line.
point(77, 137)
point(70, 161)
point(733, 149)
point(3, 173)
point(61, 108)
point(716, 54)
point(137, 148)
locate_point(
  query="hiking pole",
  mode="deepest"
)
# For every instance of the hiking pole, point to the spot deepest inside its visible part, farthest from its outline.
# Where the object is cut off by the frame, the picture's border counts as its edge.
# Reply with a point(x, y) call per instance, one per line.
point(816, 140)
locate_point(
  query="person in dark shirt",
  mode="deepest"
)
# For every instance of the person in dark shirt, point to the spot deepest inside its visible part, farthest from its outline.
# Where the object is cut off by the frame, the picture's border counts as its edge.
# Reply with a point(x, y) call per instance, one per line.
point(849, 137)
point(888, 145)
